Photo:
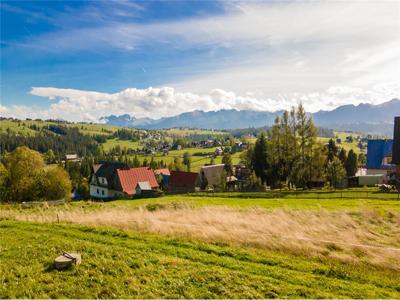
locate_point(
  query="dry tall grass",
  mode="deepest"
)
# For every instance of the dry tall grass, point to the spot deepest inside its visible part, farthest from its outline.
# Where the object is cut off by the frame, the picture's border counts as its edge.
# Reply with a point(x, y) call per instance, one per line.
point(364, 236)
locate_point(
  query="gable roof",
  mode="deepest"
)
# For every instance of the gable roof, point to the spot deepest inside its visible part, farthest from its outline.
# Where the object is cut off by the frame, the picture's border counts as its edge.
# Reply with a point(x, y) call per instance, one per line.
point(131, 177)
point(108, 170)
point(96, 167)
point(213, 173)
point(144, 185)
point(377, 150)
point(164, 172)
point(182, 179)
point(71, 156)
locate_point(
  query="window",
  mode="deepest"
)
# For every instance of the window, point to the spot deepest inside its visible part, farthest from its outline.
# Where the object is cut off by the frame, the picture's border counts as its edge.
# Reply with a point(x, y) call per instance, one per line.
point(98, 191)
point(102, 192)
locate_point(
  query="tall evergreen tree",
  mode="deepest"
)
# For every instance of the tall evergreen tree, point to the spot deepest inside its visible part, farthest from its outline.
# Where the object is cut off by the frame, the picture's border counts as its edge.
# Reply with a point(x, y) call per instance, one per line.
point(260, 158)
point(332, 150)
point(351, 163)
point(335, 172)
point(342, 156)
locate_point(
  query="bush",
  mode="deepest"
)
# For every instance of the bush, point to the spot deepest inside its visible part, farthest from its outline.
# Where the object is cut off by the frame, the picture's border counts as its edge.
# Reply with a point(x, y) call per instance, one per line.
point(25, 178)
point(58, 184)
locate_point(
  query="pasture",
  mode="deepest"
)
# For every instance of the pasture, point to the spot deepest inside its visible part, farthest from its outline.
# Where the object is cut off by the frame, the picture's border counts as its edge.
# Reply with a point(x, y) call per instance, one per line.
point(344, 144)
point(23, 127)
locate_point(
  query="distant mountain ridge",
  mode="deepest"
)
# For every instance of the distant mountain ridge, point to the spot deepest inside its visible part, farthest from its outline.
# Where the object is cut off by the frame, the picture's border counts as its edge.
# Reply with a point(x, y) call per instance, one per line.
point(365, 118)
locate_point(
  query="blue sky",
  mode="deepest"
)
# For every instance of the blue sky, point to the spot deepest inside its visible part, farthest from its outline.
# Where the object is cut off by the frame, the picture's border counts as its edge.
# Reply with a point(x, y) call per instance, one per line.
point(80, 60)
point(105, 69)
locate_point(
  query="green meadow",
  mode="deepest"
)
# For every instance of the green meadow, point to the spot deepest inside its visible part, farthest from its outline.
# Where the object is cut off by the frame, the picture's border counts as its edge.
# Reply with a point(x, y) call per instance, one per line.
point(120, 264)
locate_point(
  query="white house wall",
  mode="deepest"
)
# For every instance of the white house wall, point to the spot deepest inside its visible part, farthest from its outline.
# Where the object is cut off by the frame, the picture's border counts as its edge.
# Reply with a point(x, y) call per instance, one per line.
point(103, 192)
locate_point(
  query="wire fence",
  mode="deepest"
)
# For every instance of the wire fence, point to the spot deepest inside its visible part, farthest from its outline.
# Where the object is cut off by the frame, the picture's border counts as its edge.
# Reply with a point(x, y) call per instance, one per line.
point(43, 203)
point(309, 194)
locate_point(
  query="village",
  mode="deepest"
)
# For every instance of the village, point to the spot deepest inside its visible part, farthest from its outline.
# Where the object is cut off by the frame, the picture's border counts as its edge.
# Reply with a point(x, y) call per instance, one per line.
point(114, 180)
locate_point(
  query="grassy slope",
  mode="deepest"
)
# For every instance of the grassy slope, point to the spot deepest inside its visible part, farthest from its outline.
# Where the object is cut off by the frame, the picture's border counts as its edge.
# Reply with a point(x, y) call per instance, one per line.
point(123, 144)
point(238, 200)
point(186, 131)
point(196, 161)
point(126, 265)
point(268, 203)
point(346, 146)
point(22, 127)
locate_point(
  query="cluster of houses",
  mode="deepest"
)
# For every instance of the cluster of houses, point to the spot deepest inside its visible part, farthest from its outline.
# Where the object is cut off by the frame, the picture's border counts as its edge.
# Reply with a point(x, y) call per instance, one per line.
point(116, 180)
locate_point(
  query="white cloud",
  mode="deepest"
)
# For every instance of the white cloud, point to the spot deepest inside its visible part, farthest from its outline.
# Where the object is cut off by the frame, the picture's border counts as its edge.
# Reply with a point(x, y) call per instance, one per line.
point(254, 24)
point(324, 53)
point(78, 105)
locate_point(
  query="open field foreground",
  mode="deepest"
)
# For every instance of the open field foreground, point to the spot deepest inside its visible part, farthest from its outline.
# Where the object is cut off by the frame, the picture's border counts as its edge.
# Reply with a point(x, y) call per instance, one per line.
point(126, 264)
point(204, 248)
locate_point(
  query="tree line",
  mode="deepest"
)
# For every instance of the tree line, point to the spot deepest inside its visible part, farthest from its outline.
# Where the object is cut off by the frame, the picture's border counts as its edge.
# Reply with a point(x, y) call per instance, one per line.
point(59, 139)
point(289, 154)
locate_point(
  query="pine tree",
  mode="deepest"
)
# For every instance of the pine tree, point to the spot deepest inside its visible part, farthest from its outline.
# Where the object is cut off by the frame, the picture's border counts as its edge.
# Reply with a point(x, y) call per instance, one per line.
point(332, 150)
point(136, 162)
point(351, 163)
point(276, 159)
point(335, 172)
point(260, 158)
point(343, 156)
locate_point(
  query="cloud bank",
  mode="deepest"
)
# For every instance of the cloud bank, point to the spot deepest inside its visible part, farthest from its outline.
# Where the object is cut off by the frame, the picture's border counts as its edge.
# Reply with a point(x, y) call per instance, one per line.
point(90, 106)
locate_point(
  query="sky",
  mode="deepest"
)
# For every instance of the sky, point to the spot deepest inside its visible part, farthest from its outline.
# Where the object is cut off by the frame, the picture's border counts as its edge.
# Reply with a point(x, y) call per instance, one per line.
point(82, 60)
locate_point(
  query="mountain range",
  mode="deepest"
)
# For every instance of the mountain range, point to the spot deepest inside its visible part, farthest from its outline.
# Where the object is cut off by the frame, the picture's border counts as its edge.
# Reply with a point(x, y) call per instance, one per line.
point(364, 118)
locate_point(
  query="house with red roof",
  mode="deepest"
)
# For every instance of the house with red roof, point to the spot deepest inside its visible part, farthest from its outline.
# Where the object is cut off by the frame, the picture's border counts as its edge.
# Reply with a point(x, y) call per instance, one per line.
point(116, 180)
point(182, 182)
point(130, 179)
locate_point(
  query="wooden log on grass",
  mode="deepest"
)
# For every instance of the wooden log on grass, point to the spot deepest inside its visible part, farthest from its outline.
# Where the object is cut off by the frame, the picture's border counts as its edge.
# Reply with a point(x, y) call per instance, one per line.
point(66, 260)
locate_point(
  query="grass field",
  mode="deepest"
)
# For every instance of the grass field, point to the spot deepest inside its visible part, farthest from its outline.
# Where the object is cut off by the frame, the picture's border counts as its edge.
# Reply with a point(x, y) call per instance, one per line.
point(22, 127)
point(228, 245)
point(121, 264)
point(345, 145)
point(183, 132)
point(111, 143)
point(196, 161)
